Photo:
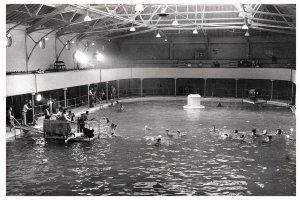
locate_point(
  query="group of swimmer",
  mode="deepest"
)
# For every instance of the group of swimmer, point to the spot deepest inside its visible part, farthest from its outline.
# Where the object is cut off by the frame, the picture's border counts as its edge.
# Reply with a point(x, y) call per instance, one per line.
point(266, 137)
point(177, 134)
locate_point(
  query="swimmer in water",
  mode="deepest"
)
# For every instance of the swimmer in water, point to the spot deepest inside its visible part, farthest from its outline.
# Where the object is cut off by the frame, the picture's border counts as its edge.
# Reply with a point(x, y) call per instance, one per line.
point(254, 132)
point(158, 142)
point(242, 138)
point(279, 131)
point(179, 134)
point(146, 129)
point(168, 133)
point(113, 129)
point(267, 139)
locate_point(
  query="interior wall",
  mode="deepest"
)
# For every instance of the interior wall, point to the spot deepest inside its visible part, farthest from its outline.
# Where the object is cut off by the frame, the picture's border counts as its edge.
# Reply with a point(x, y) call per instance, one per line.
point(16, 50)
point(40, 58)
point(184, 48)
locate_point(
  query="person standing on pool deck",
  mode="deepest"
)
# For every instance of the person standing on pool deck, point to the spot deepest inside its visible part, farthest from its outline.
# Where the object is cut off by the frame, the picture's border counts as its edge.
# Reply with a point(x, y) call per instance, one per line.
point(10, 118)
point(47, 113)
point(82, 119)
point(24, 113)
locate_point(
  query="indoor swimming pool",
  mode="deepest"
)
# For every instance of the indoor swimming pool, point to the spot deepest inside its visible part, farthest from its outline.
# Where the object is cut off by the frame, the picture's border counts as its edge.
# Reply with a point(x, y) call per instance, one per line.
point(203, 162)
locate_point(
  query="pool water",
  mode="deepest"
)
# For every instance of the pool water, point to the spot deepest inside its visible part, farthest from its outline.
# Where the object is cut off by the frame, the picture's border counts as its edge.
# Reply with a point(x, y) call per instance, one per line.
point(201, 163)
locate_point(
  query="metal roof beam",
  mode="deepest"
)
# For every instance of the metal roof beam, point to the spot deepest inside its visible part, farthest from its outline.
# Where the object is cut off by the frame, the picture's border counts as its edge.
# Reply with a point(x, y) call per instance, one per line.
point(12, 7)
point(46, 19)
point(38, 10)
point(276, 31)
point(273, 14)
point(290, 24)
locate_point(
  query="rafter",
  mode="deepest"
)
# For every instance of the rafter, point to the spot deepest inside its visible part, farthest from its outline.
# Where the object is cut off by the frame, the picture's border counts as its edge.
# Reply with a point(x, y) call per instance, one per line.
point(46, 19)
point(12, 7)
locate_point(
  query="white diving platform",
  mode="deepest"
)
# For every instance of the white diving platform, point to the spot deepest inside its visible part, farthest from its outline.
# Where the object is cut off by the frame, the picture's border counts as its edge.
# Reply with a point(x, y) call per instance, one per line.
point(194, 101)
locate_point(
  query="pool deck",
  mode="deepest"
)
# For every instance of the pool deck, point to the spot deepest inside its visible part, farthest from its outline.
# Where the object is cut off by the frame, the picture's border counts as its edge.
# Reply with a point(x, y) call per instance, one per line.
point(10, 135)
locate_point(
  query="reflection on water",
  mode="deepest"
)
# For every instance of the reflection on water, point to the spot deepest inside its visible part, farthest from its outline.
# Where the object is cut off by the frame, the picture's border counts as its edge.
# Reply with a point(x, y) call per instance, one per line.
point(201, 163)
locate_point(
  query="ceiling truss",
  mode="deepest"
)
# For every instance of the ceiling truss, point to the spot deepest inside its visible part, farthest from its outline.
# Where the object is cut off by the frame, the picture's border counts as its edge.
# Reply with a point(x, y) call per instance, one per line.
point(112, 21)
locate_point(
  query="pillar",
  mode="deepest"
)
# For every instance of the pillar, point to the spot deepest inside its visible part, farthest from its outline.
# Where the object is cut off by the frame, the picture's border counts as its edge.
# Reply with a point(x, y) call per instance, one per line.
point(236, 87)
point(171, 51)
point(271, 89)
point(106, 92)
point(32, 99)
point(88, 95)
point(65, 96)
point(292, 97)
point(118, 81)
point(205, 87)
point(141, 87)
point(175, 86)
point(247, 48)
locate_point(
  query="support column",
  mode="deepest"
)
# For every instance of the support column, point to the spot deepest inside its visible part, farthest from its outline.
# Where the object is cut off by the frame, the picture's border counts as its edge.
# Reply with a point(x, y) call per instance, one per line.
point(247, 48)
point(106, 91)
point(65, 97)
point(175, 86)
point(205, 87)
point(141, 87)
point(171, 50)
point(118, 81)
point(271, 89)
point(88, 96)
point(292, 97)
point(32, 99)
point(236, 87)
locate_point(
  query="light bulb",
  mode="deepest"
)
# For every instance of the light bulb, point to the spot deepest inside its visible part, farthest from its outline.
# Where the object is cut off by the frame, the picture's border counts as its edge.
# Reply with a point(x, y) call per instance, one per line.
point(132, 29)
point(175, 22)
point(195, 31)
point(38, 97)
point(245, 27)
point(87, 18)
point(139, 8)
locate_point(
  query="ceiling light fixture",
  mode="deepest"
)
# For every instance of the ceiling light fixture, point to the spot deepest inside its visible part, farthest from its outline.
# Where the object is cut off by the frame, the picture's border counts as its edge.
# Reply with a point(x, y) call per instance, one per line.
point(175, 22)
point(195, 31)
point(166, 40)
point(8, 35)
point(139, 8)
point(163, 12)
point(38, 97)
point(247, 34)
point(93, 43)
point(73, 41)
point(158, 35)
point(245, 27)
point(46, 38)
point(87, 18)
point(132, 29)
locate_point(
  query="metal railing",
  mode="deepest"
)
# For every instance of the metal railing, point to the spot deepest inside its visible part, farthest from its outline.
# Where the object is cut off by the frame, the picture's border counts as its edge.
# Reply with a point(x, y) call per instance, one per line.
point(167, 91)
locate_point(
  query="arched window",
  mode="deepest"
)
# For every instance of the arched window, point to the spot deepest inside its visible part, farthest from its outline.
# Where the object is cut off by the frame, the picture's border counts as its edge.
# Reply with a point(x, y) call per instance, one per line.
point(68, 45)
point(8, 40)
point(42, 43)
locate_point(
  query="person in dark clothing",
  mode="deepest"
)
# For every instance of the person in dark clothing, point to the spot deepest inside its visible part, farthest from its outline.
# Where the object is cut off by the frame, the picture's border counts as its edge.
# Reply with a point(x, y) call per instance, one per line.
point(47, 113)
point(88, 133)
point(82, 119)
